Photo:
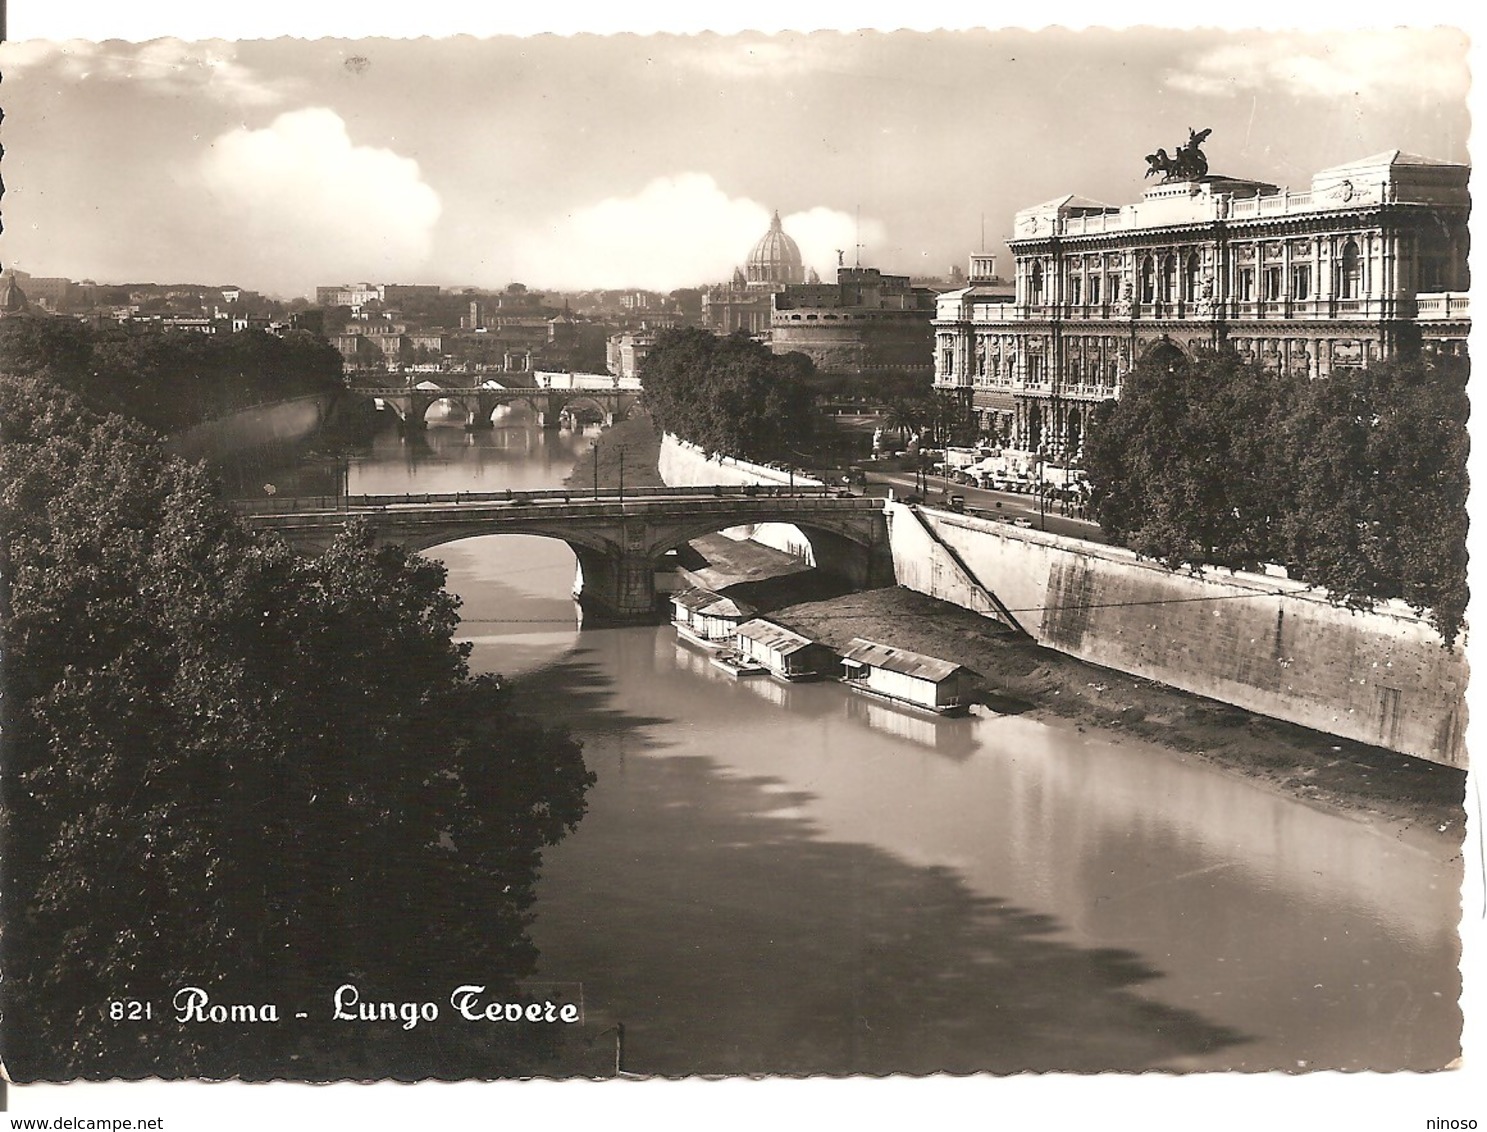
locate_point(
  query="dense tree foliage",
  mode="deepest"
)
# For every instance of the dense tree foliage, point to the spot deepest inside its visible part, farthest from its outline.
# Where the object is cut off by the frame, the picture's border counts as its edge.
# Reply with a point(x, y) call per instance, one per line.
point(729, 395)
point(173, 380)
point(1188, 467)
point(1356, 483)
point(1378, 460)
point(230, 767)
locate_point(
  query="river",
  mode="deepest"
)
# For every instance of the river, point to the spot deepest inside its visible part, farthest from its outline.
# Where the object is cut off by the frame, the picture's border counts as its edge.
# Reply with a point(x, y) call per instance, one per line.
point(791, 879)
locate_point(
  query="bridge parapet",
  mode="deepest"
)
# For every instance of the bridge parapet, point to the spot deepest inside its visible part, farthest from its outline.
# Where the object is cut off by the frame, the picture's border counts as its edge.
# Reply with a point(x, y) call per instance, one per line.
point(297, 503)
point(618, 541)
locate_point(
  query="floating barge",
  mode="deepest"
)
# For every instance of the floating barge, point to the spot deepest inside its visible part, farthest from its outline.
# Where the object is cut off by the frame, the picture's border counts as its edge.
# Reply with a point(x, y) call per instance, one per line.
point(784, 654)
point(909, 678)
point(708, 619)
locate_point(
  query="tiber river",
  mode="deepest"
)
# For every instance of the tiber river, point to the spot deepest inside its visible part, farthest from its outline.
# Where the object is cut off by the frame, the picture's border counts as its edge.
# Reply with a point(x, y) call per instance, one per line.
point(791, 879)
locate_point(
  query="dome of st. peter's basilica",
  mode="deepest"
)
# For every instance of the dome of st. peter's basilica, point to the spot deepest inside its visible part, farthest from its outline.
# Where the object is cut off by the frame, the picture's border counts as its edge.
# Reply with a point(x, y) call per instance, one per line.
point(775, 259)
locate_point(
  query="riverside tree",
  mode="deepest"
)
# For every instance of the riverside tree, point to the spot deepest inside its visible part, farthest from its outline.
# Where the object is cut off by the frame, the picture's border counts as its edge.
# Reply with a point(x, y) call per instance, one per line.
point(169, 381)
point(1355, 482)
point(232, 768)
point(1379, 464)
point(1189, 466)
point(730, 396)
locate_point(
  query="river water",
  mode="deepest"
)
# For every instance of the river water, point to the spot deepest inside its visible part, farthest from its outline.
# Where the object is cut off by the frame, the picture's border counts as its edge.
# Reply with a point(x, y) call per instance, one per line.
point(792, 879)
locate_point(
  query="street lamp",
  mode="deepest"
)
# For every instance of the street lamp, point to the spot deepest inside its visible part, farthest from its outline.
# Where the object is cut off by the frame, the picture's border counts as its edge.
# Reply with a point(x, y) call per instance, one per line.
point(622, 475)
point(1042, 494)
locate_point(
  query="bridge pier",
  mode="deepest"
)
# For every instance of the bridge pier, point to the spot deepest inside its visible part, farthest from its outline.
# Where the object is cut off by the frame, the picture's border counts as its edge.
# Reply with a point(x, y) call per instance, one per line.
point(614, 587)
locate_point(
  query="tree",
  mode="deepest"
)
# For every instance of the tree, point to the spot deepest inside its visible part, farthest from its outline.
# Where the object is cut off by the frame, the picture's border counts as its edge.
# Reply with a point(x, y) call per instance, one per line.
point(729, 395)
point(230, 767)
point(1379, 461)
point(1356, 482)
point(1189, 465)
point(169, 381)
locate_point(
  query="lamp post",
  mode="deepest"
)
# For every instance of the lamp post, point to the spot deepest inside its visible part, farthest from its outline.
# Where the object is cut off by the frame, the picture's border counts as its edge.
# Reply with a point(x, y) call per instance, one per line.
point(596, 471)
point(622, 475)
point(1042, 494)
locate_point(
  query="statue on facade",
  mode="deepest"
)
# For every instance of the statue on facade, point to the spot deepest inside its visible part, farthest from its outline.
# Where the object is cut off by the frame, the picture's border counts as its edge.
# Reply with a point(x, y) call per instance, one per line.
point(1187, 164)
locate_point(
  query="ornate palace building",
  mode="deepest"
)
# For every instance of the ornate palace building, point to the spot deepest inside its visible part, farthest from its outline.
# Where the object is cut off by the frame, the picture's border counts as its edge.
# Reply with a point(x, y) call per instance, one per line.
point(1370, 261)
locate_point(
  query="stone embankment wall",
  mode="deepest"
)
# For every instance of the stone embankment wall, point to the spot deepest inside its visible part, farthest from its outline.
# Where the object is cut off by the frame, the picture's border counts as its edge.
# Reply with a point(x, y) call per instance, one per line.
point(1265, 644)
point(282, 422)
point(685, 465)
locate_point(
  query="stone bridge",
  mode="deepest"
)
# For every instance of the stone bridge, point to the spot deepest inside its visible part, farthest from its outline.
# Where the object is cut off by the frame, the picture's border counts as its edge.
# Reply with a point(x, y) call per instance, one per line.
point(610, 399)
point(618, 541)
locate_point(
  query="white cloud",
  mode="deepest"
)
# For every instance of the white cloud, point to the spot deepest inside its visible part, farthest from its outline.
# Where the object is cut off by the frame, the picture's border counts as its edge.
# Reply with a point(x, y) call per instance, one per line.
point(162, 66)
point(299, 200)
point(1339, 64)
point(823, 232)
point(678, 231)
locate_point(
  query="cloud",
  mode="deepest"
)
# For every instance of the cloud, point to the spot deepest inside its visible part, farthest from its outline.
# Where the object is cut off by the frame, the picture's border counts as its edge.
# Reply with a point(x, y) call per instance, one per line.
point(1422, 62)
point(677, 231)
point(163, 66)
point(299, 200)
point(822, 232)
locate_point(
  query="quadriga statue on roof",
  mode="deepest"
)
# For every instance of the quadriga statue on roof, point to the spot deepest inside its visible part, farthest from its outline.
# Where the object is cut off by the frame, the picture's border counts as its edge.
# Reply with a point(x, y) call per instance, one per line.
point(1187, 164)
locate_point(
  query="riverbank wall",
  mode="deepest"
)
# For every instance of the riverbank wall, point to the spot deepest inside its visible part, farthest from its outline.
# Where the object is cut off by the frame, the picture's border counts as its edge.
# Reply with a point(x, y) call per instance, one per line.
point(685, 465)
point(1265, 644)
point(280, 423)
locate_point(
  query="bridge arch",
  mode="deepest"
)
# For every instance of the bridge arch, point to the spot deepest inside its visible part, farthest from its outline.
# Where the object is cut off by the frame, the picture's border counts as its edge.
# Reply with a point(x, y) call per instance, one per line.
point(618, 544)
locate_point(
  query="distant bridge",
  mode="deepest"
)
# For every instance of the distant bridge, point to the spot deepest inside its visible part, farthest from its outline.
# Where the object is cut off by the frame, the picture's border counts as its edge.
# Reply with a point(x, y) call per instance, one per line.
point(618, 541)
point(550, 395)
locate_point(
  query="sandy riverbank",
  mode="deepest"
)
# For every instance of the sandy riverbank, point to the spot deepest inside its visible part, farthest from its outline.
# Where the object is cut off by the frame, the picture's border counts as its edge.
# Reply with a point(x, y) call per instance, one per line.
point(1021, 676)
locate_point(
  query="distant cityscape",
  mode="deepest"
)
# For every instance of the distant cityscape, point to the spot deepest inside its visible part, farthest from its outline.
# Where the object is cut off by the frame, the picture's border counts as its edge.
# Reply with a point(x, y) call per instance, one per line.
point(1367, 262)
point(865, 323)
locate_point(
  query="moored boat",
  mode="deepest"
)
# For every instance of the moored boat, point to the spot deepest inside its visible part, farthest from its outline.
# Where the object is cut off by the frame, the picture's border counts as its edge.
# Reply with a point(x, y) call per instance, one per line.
point(707, 619)
point(785, 654)
point(735, 665)
point(912, 679)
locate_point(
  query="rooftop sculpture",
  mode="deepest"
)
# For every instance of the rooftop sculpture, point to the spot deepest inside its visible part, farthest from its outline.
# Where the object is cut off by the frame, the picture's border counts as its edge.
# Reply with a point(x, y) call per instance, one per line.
point(1187, 164)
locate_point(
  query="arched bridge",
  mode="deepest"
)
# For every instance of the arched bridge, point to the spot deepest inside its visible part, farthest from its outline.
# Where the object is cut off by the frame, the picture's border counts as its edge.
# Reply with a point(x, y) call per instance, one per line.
point(610, 398)
point(619, 541)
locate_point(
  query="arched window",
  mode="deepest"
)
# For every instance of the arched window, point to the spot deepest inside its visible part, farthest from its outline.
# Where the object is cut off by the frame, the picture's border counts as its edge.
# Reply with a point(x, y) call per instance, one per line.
point(1350, 272)
point(1190, 282)
point(1035, 284)
point(1169, 278)
point(1148, 280)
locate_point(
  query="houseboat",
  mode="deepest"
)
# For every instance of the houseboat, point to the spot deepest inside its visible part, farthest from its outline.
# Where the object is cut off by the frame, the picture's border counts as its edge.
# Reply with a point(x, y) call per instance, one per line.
point(783, 653)
point(706, 618)
point(908, 678)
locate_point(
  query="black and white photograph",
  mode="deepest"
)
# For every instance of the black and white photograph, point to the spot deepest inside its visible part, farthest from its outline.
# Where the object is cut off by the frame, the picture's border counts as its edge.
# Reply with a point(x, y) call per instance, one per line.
point(609, 565)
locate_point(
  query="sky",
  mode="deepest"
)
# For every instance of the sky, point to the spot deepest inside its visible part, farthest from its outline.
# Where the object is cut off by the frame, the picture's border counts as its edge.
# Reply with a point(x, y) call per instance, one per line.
point(582, 161)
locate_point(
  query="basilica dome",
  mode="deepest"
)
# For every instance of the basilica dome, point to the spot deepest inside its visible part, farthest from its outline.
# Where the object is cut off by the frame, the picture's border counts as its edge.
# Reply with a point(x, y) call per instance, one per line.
point(775, 259)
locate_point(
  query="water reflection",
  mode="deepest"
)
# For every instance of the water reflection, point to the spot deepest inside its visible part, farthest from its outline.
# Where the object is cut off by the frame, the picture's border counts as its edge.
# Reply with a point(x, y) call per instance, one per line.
point(789, 878)
point(955, 737)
